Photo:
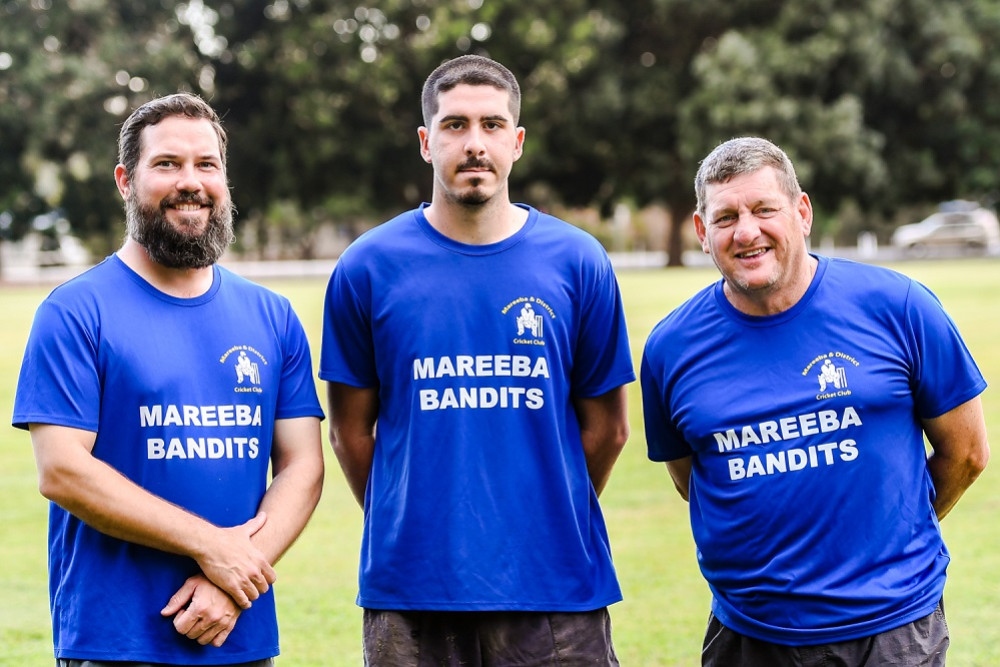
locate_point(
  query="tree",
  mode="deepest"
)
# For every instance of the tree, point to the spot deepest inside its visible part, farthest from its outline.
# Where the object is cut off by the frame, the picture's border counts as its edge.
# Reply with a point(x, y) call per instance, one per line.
point(75, 71)
point(882, 104)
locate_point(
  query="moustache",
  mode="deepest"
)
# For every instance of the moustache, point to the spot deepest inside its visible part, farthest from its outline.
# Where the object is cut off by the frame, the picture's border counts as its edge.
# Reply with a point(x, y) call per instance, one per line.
point(186, 198)
point(476, 163)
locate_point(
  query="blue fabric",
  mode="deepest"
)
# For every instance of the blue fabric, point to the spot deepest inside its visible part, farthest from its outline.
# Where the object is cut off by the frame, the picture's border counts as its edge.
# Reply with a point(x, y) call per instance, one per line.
point(183, 395)
point(479, 497)
point(810, 496)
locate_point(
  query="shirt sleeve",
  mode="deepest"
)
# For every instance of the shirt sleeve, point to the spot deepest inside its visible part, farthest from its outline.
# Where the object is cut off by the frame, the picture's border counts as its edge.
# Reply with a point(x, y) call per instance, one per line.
point(347, 352)
point(944, 374)
point(603, 358)
point(663, 441)
point(297, 395)
point(60, 382)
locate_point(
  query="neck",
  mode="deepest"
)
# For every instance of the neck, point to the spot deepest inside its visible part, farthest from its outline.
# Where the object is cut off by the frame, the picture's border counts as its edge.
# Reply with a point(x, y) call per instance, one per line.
point(181, 283)
point(490, 222)
point(776, 298)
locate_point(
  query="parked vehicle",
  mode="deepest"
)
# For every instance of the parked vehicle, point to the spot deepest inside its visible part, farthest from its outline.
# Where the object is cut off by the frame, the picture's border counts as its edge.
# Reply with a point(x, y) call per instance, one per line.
point(958, 225)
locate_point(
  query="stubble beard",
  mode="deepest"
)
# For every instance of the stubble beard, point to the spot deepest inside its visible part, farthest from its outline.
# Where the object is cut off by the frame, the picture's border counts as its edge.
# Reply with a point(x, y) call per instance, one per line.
point(175, 248)
point(474, 196)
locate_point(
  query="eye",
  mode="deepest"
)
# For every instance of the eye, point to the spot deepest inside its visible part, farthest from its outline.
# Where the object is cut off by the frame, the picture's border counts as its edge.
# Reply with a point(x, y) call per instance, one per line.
point(725, 220)
point(492, 125)
point(765, 212)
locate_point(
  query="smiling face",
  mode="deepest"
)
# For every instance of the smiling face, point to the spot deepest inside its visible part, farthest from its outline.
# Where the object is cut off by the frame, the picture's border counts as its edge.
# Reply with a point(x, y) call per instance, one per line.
point(756, 236)
point(177, 200)
point(472, 142)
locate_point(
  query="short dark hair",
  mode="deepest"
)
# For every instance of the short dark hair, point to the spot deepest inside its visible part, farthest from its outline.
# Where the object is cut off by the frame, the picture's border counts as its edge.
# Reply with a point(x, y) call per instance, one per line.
point(744, 155)
point(151, 113)
point(470, 70)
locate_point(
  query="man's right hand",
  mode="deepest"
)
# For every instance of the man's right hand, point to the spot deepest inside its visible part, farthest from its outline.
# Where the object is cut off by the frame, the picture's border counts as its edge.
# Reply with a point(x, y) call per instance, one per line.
point(235, 565)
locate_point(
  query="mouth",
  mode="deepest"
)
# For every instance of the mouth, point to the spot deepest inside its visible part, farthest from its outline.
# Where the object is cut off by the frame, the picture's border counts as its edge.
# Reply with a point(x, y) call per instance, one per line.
point(186, 208)
point(475, 167)
point(753, 254)
point(187, 204)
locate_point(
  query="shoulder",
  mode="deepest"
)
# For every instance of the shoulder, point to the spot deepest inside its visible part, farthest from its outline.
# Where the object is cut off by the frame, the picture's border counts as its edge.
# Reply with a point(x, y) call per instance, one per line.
point(234, 286)
point(96, 284)
point(556, 229)
point(383, 237)
point(560, 244)
point(688, 324)
point(865, 279)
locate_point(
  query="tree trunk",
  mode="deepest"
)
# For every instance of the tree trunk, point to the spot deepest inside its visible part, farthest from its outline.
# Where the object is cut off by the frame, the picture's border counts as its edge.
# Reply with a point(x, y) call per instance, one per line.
point(680, 207)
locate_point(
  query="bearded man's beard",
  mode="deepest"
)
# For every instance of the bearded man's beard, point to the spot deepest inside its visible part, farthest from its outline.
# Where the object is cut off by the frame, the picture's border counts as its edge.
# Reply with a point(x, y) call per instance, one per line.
point(175, 248)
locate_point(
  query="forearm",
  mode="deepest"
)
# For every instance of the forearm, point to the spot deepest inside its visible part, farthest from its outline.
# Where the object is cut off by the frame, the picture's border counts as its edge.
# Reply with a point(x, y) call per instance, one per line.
point(951, 479)
point(353, 413)
point(109, 502)
point(680, 474)
point(106, 500)
point(355, 459)
point(601, 452)
point(289, 503)
point(603, 433)
point(960, 452)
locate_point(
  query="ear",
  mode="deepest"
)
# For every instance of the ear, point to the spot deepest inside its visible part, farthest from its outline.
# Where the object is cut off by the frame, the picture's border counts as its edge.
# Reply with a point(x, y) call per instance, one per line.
point(519, 146)
point(121, 180)
point(805, 211)
point(423, 134)
point(700, 230)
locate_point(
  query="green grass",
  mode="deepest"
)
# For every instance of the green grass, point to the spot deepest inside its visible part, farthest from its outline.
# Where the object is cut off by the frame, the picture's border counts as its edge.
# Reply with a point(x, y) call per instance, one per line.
point(661, 621)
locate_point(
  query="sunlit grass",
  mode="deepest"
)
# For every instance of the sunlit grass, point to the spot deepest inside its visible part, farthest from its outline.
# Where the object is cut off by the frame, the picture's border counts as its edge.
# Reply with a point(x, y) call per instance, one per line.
point(661, 621)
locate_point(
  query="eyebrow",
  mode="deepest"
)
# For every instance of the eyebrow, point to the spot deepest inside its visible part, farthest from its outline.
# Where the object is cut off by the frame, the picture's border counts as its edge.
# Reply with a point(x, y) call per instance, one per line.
point(763, 201)
point(495, 117)
point(176, 156)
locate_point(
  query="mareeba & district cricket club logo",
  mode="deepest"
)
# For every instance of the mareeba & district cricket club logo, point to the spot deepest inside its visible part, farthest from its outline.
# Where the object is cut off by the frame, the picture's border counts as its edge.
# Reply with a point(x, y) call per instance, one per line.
point(528, 315)
point(244, 362)
point(830, 372)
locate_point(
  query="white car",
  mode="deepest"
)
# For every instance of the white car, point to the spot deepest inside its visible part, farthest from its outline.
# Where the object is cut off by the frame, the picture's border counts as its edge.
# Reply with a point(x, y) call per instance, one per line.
point(956, 227)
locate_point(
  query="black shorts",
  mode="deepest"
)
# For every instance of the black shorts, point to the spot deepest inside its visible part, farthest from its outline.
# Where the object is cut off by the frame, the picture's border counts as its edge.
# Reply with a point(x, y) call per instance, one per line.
point(922, 643)
point(487, 638)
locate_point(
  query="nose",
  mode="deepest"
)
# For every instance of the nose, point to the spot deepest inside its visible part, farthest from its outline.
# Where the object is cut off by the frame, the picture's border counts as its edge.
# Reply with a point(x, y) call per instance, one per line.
point(474, 142)
point(188, 179)
point(747, 228)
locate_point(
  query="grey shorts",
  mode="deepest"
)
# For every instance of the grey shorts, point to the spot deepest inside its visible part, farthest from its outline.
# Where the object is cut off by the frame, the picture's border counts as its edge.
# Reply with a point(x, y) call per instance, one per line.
point(268, 662)
point(487, 638)
point(922, 643)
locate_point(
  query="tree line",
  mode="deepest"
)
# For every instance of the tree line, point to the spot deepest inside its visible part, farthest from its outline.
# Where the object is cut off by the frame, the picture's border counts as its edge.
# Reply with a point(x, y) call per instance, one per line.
point(886, 106)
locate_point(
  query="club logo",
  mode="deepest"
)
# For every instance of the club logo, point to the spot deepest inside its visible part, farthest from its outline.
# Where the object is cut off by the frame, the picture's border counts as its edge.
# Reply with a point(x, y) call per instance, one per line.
point(245, 367)
point(247, 370)
point(529, 315)
point(829, 371)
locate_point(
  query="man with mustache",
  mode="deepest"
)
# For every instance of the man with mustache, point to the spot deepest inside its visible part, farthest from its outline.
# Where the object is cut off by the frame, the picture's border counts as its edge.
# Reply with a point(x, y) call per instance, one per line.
point(157, 388)
point(476, 445)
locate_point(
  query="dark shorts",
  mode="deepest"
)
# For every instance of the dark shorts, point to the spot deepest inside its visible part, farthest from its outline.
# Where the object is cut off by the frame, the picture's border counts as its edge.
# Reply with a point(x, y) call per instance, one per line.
point(268, 662)
point(487, 638)
point(922, 643)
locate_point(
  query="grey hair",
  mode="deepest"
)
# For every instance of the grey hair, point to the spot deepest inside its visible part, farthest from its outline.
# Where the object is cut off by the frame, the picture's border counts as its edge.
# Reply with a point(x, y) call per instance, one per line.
point(744, 155)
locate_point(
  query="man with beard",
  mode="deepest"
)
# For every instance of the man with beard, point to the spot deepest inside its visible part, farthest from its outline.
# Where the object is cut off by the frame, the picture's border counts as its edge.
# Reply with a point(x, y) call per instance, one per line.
point(483, 540)
point(157, 388)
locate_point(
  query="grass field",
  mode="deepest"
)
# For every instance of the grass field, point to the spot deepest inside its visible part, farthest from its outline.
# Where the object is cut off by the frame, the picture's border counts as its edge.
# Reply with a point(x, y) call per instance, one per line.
point(661, 621)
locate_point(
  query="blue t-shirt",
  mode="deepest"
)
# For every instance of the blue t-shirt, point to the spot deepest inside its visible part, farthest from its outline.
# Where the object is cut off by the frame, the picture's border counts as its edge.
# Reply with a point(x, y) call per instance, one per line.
point(479, 497)
point(810, 495)
point(183, 395)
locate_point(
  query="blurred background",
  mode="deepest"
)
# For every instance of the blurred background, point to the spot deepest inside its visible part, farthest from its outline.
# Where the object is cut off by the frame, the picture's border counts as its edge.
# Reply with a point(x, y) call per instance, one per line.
point(890, 110)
